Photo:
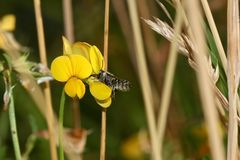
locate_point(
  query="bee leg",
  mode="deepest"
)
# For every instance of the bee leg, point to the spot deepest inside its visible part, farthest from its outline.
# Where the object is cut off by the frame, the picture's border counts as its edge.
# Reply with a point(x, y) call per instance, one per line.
point(113, 94)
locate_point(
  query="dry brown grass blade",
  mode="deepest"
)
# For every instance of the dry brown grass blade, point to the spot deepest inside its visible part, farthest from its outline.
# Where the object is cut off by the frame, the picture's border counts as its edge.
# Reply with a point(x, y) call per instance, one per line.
point(144, 79)
point(206, 92)
point(69, 33)
point(123, 18)
point(233, 76)
point(68, 20)
point(215, 34)
point(104, 110)
point(167, 87)
point(217, 41)
point(106, 33)
point(165, 11)
point(186, 47)
point(149, 38)
point(168, 32)
point(47, 91)
point(152, 50)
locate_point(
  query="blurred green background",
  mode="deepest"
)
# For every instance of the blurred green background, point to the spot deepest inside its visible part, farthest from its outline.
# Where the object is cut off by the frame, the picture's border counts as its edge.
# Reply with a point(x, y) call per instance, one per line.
point(185, 135)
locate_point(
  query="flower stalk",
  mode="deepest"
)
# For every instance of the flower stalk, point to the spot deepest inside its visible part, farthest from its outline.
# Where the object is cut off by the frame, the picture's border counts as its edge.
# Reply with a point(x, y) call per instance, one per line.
point(233, 76)
point(13, 126)
point(168, 81)
point(104, 110)
point(47, 92)
point(144, 79)
point(204, 83)
point(60, 125)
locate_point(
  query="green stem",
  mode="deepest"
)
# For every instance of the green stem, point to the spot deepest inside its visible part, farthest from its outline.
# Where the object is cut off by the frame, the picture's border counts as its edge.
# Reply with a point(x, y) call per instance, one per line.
point(12, 120)
point(60, 125)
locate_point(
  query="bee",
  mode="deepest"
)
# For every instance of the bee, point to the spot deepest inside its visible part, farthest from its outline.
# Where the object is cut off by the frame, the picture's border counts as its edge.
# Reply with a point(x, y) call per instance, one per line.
point(113, 81)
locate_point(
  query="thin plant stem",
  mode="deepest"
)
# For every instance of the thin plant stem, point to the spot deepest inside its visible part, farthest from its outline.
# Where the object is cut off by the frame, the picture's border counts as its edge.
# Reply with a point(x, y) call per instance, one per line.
point(167, 86)
point(150, 42)
point(122, 15)
point(12, 119)
point(189, 31)
point(103, 134)
point(216, 36)
point(60, 125)
point(149, 39)
point(204, 83)
point(165, 10)
point(105, 52)
point(68, 20)
point(217, 39)
point(69, 33)
point(106, 33)
point(76, 113)
point(47, 92)
point(233, 76)
point(144, 79)
point(31, 141)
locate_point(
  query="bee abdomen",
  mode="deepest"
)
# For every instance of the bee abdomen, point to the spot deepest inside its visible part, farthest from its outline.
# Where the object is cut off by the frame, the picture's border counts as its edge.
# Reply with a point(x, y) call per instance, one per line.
point(121, 85)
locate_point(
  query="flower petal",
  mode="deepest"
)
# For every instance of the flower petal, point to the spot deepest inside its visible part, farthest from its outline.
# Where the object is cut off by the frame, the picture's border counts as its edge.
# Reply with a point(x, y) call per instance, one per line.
point(81, 48)
point(75, 87)
point(70, 87)
point(96, 59)
point(105, 103)
point(61, 68)
point(67, 47)
point(2, 41)
point(80, 89)
point(8, 23)
point(100, 91)
point(80, 65)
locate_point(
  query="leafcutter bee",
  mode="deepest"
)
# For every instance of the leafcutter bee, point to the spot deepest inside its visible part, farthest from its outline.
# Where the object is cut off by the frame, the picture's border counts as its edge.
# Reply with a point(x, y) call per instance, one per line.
point(113, 81)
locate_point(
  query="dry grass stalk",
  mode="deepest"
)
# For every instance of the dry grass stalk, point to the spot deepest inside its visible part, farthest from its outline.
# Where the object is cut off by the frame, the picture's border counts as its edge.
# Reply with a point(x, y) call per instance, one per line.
point(106, 33)
point(233, 76)
point(218, 93)
point(155, 60)
point(123, 18)
point(165, 11)
point(149, 38)
point(144, 78)
point(186, 47)
point(167, 87)
point(69, 33)
point(47, 92)
point(206, 92)
point(105, 52)
point(103, 135)
point(215, 34)
point(76, 113)
point(68, 20)
point(168, 32)
point(152, 48)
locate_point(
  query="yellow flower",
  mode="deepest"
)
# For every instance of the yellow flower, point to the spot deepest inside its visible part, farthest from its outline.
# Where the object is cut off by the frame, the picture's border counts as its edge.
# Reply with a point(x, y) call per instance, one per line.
point(71, 69)
point(79, 62)
point(7, 23)
point(100, 91)
point(91, 53)
point(96, 60)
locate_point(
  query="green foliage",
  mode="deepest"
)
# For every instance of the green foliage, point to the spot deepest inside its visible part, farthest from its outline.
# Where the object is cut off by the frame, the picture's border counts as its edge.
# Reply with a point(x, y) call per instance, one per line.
point(222, 82)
